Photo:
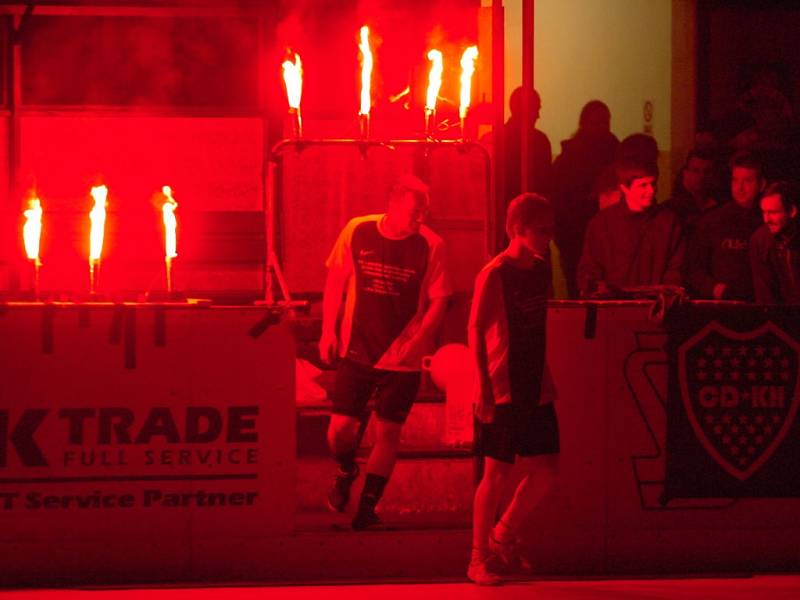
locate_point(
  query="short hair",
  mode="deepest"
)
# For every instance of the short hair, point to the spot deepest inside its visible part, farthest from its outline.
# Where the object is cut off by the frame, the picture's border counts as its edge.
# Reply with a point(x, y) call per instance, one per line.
point(634, 167)
point(528, 210)
point(638, 146)
point(516, 99)
point(592, 110)
point(702, 153)
point(410, 183)
point(747, 160)
point(787, 191)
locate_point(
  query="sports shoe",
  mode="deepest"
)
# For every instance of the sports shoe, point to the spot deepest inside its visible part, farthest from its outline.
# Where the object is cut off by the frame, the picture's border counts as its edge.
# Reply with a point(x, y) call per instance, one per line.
point(479, 573)
point(365, 517)
point(508, 552)
point(339, 495)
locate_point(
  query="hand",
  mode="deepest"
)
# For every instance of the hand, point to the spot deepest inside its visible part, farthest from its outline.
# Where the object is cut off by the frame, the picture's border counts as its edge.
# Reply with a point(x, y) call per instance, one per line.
point(605, 290)
point(328, 347)
point(484, 410)
point(719, 291)
point(409, 353)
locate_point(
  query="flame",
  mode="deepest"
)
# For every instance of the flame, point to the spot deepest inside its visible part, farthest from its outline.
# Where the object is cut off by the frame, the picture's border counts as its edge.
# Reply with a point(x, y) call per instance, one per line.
point(434, 79)
point(293, 78)
point(467, 69)
point(32, 230)
point(98, 218)
point(170, 223)
point(366, 71)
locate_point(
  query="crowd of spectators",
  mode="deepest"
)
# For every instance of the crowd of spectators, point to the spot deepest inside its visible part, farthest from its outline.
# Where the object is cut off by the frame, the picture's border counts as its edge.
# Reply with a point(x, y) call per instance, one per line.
point(727, 230)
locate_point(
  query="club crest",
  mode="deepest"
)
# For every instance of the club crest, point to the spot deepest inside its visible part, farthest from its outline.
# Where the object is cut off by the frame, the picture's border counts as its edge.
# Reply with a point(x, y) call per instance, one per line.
point(740, 392)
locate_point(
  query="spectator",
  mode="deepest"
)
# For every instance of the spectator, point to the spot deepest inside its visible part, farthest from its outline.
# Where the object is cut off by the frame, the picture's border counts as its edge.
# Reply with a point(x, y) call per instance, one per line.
point(717, 255)
point(775, 247)
point(540, 153)
point(605, 191)
point(635, 242)
point(583, 157)
point(692, 194)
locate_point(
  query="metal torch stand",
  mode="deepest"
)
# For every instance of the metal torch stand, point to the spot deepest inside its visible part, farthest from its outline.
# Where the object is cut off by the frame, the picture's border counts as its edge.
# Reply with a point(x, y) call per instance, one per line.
point(273, 270)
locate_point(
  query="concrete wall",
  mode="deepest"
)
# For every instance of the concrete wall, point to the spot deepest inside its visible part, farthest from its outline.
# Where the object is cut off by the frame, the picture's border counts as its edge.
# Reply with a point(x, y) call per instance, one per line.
point(623, 52)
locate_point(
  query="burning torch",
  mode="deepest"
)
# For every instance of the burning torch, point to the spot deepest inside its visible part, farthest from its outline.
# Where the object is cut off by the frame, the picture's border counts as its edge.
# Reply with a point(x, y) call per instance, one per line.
point(170, 238)
point(97, 216)
point(434, 84)
point(31, 234)
point(467, 69)
point(366, 80)
point(293, 79)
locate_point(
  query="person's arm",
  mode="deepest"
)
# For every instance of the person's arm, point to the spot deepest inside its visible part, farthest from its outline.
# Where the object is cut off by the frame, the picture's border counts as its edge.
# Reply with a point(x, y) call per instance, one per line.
point(340, 267)
point(763, 279)
point(331, 303)
point(698, 264)
point(476, 339)
point(484, 410)
point(590, 268)
point(673, 274)
point(437, 282)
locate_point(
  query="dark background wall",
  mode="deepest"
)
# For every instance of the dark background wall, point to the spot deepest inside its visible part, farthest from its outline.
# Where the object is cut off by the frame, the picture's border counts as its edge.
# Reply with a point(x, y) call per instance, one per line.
point(736, 40)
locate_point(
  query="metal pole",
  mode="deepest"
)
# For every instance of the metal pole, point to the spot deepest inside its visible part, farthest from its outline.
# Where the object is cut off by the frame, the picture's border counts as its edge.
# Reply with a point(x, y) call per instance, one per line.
point(497, 205)
point(527, 92)
point(14, 126)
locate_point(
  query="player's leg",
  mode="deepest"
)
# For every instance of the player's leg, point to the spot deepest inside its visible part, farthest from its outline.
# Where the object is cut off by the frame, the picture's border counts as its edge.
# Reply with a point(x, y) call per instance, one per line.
point(493, 442)
point(395, 395)
point(484, 511)
point(354, 386)
point(537, 445)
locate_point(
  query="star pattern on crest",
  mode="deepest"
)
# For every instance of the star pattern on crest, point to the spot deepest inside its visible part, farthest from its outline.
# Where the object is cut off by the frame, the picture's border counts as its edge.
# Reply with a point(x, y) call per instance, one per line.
point(758, 372)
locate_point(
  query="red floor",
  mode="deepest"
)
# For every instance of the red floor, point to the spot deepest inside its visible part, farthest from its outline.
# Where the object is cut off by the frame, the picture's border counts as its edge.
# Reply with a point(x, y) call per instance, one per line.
point(771, 587)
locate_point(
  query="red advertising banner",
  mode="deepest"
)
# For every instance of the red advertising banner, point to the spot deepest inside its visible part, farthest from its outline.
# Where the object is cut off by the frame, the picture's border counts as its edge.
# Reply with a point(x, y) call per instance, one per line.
point(156, 428)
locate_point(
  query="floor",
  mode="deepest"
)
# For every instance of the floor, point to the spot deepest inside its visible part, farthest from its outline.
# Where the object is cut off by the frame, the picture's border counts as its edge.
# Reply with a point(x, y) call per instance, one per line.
point(774, 587)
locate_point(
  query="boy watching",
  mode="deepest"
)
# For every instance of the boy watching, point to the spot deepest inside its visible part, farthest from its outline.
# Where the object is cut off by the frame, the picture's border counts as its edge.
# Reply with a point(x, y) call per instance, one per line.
point(635, 242)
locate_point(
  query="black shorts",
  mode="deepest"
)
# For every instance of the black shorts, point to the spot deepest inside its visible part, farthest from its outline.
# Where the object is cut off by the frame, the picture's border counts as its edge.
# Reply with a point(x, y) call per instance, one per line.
point(394, 391)
point(518, 432)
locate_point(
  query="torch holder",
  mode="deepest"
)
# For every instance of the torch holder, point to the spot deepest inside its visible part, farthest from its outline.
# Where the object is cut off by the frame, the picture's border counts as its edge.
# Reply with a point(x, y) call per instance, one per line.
point(430, 122)
point(363, 126)
point(272, 271)
point(94, 277)
point(295, 123)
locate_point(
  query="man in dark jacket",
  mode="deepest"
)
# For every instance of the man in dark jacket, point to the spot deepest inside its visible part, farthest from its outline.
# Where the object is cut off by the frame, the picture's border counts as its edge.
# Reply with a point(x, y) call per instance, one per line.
point(583, 158)
point(775, 247)
point(717, 265)
point(540, 153)
point(693, 192)
point(634, 242)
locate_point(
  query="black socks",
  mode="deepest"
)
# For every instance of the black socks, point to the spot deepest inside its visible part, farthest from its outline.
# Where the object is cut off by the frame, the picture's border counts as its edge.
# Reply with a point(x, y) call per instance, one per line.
point(373, 488)
point(346, 461)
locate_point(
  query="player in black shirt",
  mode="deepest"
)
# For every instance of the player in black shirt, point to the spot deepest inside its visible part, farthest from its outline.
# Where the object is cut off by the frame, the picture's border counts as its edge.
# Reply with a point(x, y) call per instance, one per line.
point(392, 268)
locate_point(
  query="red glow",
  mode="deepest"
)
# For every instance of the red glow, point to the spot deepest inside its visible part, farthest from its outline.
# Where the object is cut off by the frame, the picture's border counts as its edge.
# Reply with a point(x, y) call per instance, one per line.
point(467, 69)
point(366, 71)
point(170, 223)
point(214, 161)
point(434, 79)
point(400, 35)
point(32, 230)
point(97, 216)
point(293, 79)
